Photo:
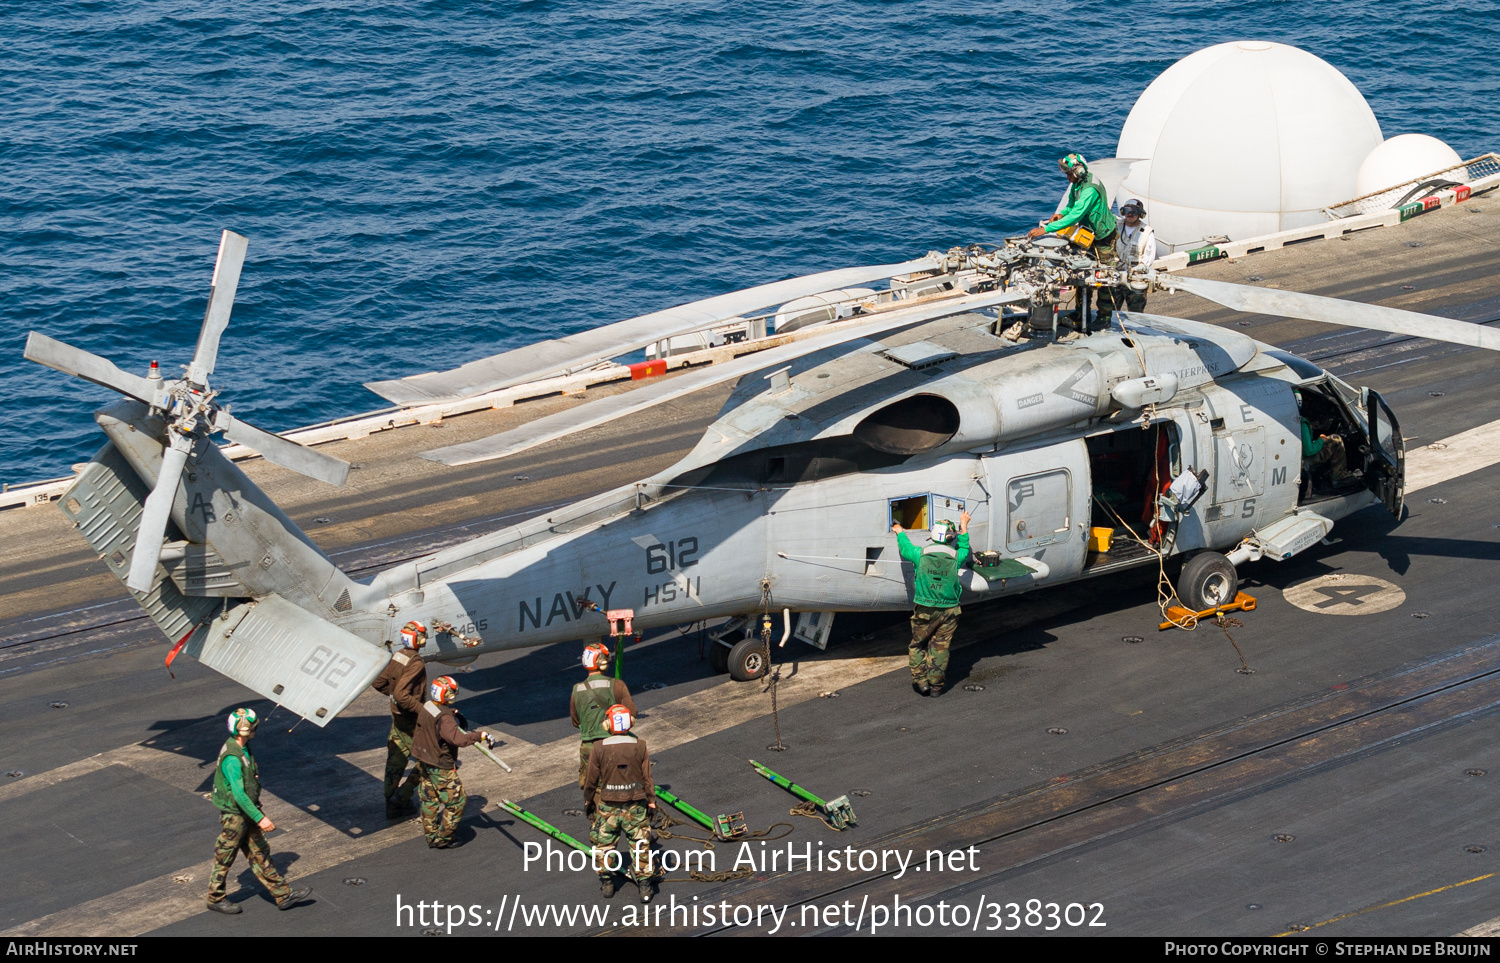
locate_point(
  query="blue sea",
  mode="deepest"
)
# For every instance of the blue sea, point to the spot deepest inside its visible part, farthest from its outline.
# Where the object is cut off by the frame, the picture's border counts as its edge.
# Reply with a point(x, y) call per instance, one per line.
point(423, 184)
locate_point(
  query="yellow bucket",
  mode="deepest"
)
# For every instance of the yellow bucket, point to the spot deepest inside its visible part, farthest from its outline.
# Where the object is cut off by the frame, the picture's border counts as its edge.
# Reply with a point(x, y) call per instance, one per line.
point(1099, 539)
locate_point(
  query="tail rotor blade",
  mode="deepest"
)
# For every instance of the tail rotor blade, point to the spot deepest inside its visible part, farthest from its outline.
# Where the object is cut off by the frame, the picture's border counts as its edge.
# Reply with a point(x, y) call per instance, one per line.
point(90, 367)
point(288, 454)
point(153, 530)
point(220, 301)
point(1311, 307)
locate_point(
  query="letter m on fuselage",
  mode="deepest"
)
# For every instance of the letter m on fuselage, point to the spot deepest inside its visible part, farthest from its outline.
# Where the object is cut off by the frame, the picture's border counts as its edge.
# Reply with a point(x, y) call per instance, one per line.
point(1278, 475)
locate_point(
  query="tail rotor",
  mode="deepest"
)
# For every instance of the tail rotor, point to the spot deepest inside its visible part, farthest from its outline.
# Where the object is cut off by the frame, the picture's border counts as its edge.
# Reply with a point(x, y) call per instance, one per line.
point(188, 406)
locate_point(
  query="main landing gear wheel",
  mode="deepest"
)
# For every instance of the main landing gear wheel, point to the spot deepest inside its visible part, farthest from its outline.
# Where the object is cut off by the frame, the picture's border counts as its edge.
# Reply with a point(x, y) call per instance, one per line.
point(1208, 580)
point(718, 656)
point(748, 660)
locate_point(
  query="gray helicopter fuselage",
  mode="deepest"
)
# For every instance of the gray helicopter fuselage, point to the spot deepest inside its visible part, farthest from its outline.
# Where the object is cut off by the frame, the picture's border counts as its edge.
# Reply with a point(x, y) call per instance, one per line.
point(788, 500)
point(913, 409)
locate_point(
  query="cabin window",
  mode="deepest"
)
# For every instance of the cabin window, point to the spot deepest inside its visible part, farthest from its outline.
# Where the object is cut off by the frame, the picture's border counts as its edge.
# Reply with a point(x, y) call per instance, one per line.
point(919, 512)
point(910, 512)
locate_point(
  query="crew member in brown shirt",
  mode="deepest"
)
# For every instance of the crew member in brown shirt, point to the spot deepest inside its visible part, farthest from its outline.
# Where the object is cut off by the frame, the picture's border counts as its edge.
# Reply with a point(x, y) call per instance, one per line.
point(620, 773)
point(435, 747)
point(405, 681)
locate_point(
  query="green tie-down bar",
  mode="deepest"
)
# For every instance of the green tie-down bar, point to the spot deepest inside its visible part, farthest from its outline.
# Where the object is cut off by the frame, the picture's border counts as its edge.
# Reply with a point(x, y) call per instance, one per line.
point(723, 827)
point(546, 827)
point(838, 813)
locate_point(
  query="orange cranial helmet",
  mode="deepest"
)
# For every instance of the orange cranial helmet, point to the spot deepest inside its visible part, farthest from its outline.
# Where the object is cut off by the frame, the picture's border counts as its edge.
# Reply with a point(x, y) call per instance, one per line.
point(443, 690)
point(414, 634)
point(595, 657)
point(617, 719)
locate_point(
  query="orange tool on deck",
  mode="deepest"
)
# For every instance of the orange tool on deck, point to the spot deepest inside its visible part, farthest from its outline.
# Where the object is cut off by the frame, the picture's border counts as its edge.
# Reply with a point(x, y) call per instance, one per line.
point(1178, 615)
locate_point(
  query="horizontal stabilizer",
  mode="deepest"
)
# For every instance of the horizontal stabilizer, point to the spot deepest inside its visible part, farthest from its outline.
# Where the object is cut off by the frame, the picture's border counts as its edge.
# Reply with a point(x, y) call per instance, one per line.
point(595, 413)
point(578, 351)
point(290, 656)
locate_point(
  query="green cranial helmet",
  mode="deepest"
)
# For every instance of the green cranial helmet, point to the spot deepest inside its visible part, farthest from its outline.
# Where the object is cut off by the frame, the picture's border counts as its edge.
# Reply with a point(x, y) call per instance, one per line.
point(242, 722)
point(1073, 165)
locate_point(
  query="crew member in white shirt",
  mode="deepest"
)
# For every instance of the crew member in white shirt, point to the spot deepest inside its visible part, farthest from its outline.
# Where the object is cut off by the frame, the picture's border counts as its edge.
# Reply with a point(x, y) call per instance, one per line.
point(1135, 245)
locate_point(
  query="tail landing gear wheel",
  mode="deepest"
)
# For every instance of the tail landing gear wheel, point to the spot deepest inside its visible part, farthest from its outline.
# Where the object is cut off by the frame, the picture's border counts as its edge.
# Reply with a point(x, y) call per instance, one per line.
point(748, 660)
point(718, 656)
point(1208, 580)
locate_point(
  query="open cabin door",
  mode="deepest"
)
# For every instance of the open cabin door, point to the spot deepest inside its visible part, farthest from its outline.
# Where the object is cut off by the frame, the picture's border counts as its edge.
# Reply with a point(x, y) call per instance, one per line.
point(1385, 461)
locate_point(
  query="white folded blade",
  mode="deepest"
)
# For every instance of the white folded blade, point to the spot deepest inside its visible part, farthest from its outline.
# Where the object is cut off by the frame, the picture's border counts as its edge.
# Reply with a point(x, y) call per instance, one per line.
point(577, 351)
point(288, 454)
point(89, 367)
point(596, 413)
point(1312, 307)
point(220, 302)
point(148, 537)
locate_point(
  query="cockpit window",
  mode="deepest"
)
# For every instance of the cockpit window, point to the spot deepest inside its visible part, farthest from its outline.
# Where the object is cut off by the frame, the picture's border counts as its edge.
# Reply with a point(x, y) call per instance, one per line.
point(1348, 393)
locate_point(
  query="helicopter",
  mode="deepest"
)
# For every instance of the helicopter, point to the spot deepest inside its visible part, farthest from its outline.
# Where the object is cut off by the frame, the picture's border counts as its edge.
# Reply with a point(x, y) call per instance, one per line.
point(971, 385)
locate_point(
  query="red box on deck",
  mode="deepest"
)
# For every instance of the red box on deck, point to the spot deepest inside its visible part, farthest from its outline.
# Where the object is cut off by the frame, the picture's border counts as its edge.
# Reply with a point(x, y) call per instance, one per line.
point(648, 369)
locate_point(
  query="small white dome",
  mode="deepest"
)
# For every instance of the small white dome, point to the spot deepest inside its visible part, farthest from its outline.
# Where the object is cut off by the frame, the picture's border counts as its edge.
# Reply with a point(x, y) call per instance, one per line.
point(1245, 138)
point(1403, 159)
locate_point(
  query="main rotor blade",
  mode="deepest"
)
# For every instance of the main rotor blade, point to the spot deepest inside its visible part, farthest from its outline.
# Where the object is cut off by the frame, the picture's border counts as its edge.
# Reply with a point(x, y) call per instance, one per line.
point(586, 348)
point(148, 537)
point(595, 413)
point(90, 367)
point(1312, 307)
point(220, 301)
point(288, 454)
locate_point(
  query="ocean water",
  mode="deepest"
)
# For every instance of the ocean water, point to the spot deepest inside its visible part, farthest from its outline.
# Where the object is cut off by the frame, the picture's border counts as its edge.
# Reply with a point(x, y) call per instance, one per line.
point(423, 184)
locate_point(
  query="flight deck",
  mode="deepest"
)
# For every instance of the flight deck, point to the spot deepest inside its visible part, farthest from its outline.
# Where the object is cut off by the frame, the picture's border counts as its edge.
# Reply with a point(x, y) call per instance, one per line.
point(1324, 766)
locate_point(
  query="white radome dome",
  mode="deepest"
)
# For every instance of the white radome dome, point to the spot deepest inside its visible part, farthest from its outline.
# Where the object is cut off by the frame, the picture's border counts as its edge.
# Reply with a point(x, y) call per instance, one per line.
point(1403, 159)
point(1245, 138)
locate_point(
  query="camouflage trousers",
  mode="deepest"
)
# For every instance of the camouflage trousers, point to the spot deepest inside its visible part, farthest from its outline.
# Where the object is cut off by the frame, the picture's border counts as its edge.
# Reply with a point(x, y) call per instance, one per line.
point(397, 754)
point(443, 801)
point(1104, 250)
point(632, 821)
point(240, 835)
point(931, 637)
point(1334, 457)
point(1135, 301)
point(584, 749)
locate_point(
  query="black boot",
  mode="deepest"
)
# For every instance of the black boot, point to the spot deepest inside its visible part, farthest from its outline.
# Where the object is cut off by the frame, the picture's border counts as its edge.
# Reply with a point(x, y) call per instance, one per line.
point(225, 907)
point(607, 885)
point(294, 897)
point(647, 886)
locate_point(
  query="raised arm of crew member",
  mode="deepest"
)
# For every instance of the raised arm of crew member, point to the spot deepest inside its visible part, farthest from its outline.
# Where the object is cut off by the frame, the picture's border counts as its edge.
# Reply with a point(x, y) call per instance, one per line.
point(961, 547)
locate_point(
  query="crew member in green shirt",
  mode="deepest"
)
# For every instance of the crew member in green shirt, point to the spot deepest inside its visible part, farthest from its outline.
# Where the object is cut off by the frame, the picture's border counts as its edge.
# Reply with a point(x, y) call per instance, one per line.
point(243, 825)
point(591, 701)
point(937, 592)
point(1324, 450)
point(1087, 205)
